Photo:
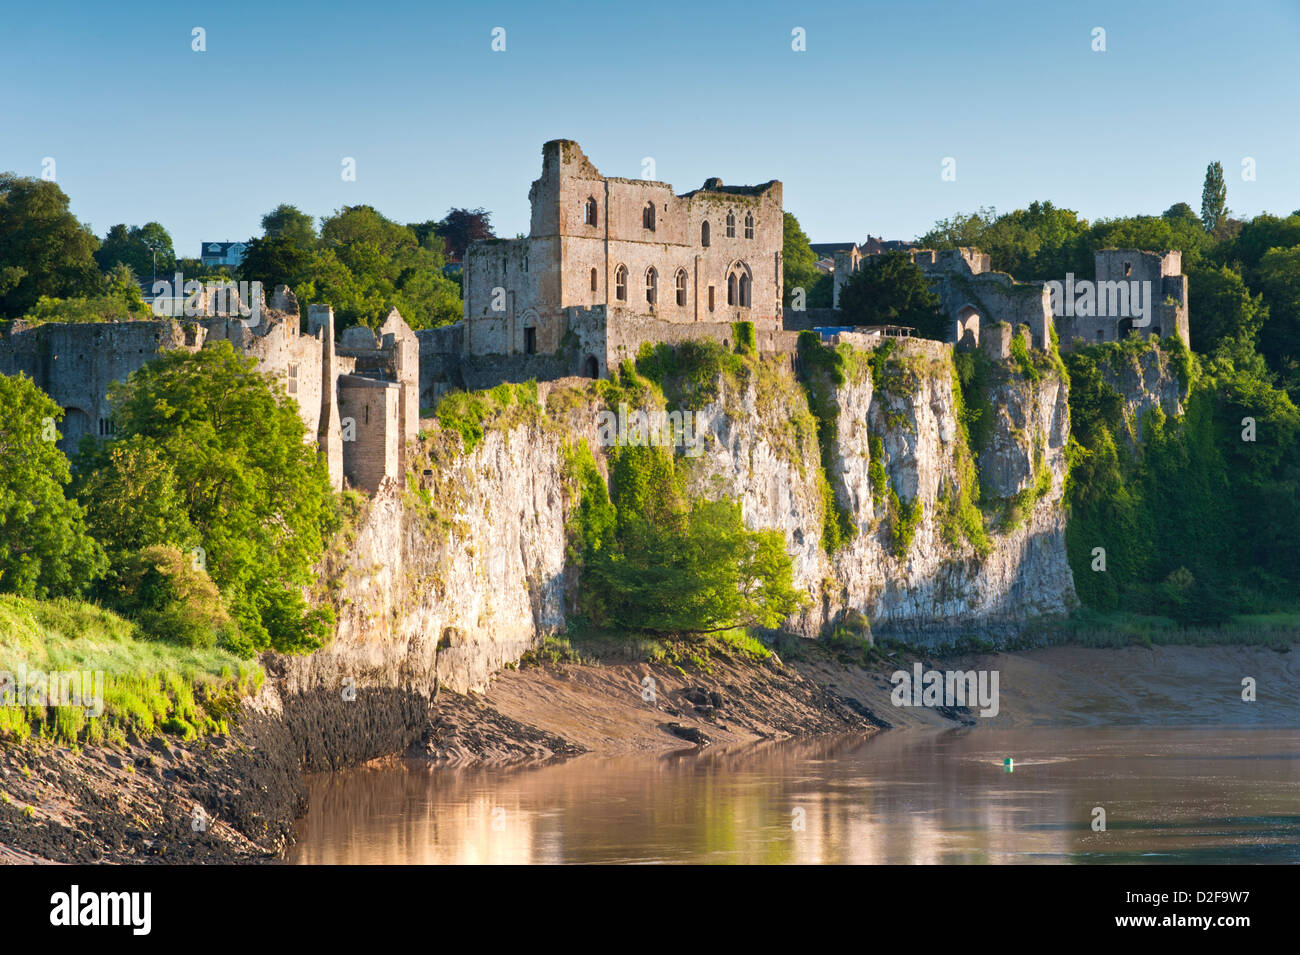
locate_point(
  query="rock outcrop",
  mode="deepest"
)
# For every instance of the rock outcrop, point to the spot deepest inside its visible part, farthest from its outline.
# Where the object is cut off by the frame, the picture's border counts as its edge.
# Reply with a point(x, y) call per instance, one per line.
point(444, 581)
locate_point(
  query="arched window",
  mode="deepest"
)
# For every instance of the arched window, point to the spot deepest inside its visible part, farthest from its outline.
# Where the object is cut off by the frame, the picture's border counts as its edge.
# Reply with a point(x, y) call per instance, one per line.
point(681, 287)
point(594, 279)
point(648, 216)
point(590, 213)
point(739, 285)
point(749, 225)
point(620, 283)
point(651, 286)
point(704, 233)
point(731, 225)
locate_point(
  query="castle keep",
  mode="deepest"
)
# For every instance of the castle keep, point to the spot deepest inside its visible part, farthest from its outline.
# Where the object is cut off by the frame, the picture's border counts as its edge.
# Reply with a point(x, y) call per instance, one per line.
point(610, 263)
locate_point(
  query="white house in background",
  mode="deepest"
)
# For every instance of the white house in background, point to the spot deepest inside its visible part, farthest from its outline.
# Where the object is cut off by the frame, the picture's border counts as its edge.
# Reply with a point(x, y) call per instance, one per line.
point(223, 253)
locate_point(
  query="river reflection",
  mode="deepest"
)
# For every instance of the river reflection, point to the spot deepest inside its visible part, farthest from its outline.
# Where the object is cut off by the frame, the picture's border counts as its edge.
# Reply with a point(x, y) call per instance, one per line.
point(1170, 795)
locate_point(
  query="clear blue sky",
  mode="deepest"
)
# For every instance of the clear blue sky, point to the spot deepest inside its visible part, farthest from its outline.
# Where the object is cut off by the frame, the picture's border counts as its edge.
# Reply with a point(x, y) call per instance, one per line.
point(143, 128)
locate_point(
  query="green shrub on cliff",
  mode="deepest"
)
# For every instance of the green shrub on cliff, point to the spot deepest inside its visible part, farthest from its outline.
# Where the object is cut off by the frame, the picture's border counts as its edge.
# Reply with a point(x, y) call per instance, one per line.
point(821, 371)
point(1199, 521)
point(651, 560)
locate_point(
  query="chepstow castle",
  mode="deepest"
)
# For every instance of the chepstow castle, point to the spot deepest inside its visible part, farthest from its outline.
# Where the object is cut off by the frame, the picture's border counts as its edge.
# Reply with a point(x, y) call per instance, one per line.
point(608, 265)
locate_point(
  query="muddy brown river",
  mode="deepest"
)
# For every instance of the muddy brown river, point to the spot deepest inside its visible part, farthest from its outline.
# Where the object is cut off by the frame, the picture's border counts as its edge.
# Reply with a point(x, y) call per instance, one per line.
point(1169, 795)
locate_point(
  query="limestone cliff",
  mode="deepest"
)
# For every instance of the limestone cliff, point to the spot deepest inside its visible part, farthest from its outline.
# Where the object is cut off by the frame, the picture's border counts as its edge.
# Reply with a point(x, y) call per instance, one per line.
point(445, 580)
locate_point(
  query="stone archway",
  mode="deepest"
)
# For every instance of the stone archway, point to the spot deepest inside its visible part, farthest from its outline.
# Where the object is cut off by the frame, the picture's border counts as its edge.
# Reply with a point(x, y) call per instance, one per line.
point(76, 423)
point(591, 367)
point(968, 327)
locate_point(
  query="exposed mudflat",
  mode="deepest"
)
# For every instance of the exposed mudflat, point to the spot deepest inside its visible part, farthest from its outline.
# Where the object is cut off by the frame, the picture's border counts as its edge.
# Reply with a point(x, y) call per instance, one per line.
point(138, 804)
point(628, 708)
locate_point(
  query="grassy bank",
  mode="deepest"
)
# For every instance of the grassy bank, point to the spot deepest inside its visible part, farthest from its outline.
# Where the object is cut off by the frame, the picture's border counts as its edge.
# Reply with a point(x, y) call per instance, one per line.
point(148, 686)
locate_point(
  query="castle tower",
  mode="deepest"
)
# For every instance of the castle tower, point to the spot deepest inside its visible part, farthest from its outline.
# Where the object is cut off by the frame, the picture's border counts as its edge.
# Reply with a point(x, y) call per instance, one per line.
point(329, 436)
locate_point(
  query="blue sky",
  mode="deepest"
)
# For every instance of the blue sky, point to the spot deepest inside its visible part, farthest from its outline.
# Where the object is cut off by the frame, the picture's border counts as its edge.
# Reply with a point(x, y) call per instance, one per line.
point(143, 128)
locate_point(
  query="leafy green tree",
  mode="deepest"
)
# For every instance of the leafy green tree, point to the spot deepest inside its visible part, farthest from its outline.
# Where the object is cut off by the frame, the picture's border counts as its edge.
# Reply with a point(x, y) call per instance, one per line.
point(45, 550)
point(890, 289)
point(673, 566)
point(1221, 307)
point(799, 261)
point(276, 260)
point(253, 493)
point(1182, 212)
point(44, 250)
point(135, 246)
point(367, 264)
point(291, 224)
point(1214, 198)
point(1278, 278)
point(122, 302)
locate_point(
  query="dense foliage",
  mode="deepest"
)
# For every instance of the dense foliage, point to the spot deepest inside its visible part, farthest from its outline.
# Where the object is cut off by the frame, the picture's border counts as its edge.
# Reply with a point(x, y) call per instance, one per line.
point(654, 559)
point(45, 549)
point(211, 461)
point(890, 289)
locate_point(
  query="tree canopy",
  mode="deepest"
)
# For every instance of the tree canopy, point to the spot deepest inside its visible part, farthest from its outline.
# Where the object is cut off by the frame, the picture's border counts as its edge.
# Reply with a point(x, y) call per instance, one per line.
point(44, 250)
point(211, 459)
point(45, 549)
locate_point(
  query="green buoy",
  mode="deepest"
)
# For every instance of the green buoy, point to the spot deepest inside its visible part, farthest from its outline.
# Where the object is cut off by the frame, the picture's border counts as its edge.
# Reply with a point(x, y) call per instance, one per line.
point(1009, 764)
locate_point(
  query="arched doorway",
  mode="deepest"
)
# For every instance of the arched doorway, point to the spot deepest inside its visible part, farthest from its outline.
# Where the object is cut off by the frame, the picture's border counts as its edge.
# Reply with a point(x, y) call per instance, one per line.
point(968, 327)
point(591, 367)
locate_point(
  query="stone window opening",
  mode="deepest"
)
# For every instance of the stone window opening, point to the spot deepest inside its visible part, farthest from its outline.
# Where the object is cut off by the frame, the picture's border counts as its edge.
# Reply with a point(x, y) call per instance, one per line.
point(731, 225)
point(1101, 334)
point(525, 263)
point(710, 298)
point(739, 286)
point(1128, 268)
point(590, 215)
point(594, 279)
point(704, 233)
point(648, 216)
point(293, 379)
point(620, 283)
point(530, 340)
point(749, 226)
point(681, 287)
point(651, 286)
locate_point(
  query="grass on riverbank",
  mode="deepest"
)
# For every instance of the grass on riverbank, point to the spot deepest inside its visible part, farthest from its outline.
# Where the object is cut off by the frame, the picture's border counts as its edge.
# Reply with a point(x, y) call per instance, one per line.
point(148, 686)
point(597, 647)
point(1092, 628)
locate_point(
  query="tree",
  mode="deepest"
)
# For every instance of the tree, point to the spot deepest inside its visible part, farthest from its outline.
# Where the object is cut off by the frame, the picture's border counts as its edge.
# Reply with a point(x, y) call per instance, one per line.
point(367, 265)
point(799, 261)
point(45, 550)
point(1214, 198)
point(291, 224)
point(135, 246)
point(890, 290)
point(460, 228)
point(1182, 212)
point(1222, 307)
point(44, 250)
point(679, 567)
point(276, 260)
point(254, 493)
point(1278, 278)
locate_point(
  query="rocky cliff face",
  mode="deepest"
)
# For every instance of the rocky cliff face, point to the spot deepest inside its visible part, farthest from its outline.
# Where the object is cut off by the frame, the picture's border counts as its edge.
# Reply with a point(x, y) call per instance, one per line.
point(1146, 380)
point(446, 580)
